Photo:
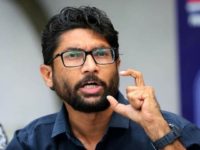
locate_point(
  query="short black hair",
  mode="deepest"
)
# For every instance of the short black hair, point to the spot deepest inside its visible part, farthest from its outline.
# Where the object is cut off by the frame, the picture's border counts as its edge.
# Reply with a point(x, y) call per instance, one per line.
point(81, 17)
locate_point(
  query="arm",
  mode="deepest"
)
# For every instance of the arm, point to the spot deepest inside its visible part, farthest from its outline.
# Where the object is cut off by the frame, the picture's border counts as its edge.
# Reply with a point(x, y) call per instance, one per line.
point(14, 144)
point(144, 109)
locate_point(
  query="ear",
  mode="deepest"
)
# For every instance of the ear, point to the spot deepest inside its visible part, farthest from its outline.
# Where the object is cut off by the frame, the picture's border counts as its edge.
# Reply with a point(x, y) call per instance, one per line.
point(118, 62)
point(46, 72)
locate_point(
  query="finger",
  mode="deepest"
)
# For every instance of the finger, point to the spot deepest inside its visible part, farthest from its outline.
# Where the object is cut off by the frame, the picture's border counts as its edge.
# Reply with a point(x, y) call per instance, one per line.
point(116, 106)
point(139, 81)
point(124, 110)
point(136, 99)
point(131, 89)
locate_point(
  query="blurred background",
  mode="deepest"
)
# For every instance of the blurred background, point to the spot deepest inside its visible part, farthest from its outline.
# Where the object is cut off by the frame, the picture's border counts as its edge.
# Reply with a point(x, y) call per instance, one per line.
point(159, 38)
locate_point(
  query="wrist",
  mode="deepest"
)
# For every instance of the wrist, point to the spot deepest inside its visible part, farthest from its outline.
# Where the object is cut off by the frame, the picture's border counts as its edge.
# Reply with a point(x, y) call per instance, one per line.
point(157, 129)
point(168, 138)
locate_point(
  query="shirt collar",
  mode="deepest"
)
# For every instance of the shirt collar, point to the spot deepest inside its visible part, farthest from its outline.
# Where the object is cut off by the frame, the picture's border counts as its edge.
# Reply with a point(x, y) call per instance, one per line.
point(62, 125)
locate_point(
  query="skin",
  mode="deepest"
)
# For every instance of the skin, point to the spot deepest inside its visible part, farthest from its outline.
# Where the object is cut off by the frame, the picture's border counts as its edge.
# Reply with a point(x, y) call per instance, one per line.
point(144, 109)
point(89, 128)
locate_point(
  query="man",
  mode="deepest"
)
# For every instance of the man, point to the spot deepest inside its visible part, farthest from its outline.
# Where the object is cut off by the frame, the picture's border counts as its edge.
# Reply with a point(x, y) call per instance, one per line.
point(81, 60)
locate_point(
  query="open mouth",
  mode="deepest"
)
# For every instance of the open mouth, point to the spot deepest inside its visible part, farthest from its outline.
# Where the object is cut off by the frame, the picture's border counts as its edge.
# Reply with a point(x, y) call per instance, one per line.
point(90, 84)
point(91, 87)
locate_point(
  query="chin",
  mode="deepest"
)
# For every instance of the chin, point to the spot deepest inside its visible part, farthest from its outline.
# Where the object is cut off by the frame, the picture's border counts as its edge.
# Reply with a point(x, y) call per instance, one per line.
point(92, 99)
point(90, 104)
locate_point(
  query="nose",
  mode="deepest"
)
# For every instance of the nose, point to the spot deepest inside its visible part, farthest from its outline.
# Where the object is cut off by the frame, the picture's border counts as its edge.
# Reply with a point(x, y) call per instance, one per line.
point(89, 65)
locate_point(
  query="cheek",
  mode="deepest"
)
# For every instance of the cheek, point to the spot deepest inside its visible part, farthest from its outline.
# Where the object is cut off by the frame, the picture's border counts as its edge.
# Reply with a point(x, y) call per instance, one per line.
point(65, 75)
point(60, 78)
point(109, 73)
point(71, 78)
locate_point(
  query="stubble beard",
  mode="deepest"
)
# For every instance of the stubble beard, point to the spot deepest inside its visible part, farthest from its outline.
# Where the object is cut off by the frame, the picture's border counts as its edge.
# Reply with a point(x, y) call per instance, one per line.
point(78, 102)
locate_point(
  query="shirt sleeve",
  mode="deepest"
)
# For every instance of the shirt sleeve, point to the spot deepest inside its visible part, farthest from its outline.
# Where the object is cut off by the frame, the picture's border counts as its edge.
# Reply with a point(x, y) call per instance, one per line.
point(190, 133)
point(15, 144)
point(190, 137)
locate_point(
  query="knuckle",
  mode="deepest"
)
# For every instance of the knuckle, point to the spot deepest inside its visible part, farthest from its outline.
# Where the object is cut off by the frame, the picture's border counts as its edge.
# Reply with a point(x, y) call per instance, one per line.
point(131, 96)
point(138, 74)
point(130, 89)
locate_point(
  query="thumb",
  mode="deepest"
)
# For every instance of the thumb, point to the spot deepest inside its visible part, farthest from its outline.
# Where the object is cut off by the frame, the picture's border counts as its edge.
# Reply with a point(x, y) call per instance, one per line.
point(116, 106)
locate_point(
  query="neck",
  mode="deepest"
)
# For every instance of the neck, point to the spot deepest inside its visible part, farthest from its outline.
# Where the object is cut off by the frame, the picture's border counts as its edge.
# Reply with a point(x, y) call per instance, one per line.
point(89, 128)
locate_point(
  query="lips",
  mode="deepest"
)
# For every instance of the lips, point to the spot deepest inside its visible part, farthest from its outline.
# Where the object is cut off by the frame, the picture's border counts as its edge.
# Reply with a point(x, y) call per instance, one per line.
point(91, 87)
point(90, 84)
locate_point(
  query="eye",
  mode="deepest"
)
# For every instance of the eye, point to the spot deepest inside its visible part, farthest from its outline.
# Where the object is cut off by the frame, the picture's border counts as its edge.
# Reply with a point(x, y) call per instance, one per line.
point(102, 52)
point(73, 55)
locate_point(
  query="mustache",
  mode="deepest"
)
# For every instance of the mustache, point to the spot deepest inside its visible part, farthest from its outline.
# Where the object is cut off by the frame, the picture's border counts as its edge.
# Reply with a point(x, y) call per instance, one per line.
point(90, 77)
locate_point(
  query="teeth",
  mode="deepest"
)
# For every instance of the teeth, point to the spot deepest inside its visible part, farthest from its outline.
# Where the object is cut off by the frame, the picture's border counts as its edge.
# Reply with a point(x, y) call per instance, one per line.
point(90, 82)
point(90, 86)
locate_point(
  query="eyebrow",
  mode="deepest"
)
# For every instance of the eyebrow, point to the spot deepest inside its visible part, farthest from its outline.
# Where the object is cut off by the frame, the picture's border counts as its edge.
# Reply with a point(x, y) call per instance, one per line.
point(77, 48)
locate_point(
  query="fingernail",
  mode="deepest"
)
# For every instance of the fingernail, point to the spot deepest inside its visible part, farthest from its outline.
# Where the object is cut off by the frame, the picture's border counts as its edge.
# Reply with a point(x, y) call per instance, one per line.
point(108, 96)
point(121, 72)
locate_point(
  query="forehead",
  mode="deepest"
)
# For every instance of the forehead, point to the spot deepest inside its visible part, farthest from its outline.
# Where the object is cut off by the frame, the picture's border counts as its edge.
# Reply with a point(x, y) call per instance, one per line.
point(81, 38)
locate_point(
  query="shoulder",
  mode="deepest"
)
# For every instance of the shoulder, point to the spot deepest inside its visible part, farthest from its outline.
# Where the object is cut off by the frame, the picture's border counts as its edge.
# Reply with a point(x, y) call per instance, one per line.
point(41, 122)
point(36, 130)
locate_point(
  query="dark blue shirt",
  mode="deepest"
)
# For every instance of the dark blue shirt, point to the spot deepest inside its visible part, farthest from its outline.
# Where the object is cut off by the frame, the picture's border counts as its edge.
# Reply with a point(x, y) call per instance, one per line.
point(53, 132)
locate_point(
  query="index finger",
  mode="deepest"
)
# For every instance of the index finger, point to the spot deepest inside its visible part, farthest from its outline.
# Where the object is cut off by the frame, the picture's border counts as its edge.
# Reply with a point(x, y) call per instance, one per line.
point(139, 81)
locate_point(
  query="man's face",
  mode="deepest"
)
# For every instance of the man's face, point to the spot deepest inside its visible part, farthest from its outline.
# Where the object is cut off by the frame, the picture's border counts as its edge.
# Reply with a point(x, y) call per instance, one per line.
point(85, 87)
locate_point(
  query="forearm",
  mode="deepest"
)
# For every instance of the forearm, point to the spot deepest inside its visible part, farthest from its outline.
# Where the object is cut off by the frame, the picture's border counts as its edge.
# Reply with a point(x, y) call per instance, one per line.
point(160, 128)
